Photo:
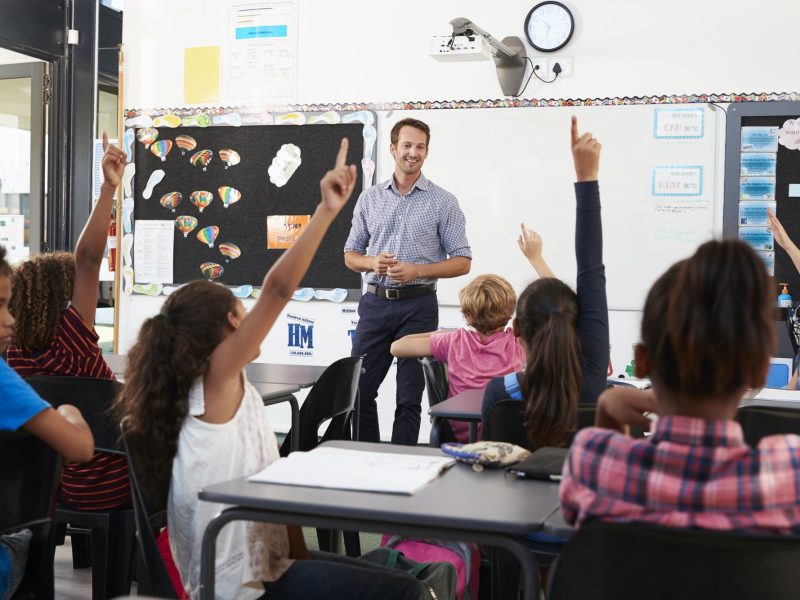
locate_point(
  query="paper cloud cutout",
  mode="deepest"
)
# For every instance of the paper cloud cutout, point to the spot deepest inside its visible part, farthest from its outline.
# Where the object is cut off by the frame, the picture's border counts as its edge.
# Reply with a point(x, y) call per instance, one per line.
point(789, 134)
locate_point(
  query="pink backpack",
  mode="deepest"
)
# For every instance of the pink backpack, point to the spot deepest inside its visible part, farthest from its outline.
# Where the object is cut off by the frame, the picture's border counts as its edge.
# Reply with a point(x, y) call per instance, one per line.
point(465, 557)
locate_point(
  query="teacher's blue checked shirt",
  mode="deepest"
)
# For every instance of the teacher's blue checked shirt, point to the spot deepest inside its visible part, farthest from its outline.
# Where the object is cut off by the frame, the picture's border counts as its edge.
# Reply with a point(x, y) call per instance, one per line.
point(426, 226)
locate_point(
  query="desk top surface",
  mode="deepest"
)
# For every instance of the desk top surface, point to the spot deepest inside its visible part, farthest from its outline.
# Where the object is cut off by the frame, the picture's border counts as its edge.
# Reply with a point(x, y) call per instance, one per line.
point(257, 373)
point(465, 406)
point(459, 499)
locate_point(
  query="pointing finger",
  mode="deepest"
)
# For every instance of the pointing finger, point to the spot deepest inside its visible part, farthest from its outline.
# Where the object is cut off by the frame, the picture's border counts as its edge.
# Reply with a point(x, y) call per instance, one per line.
point(574, 130)
point(105, 141)
point(341, 158)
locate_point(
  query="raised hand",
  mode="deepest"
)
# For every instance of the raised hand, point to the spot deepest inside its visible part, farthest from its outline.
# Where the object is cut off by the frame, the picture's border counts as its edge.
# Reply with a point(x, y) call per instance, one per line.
point(530, 243)
point(585, 154)
point(338, 183)
point(113, 163)
point(778, 232)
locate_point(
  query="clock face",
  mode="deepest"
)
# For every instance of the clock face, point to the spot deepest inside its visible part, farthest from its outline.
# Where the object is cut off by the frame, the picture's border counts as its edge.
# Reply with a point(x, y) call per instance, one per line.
point(549, 26)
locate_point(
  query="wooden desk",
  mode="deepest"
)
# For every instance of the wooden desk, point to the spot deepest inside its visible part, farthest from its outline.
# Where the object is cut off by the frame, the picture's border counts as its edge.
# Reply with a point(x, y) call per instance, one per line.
point(461, 504)
point(464, 406)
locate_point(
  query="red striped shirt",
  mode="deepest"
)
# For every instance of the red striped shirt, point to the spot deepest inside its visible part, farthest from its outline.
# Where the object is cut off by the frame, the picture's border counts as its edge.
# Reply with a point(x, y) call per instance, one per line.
point(102, 483)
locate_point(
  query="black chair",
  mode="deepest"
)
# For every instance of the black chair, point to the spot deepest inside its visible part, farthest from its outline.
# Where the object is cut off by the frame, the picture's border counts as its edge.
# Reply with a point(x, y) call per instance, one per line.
point(437, 386)
point(150, 516)
point(334, 399)
point(759, 421)
point(30, 473)
point(633, 561)
point(110, 533)
point(505, 423)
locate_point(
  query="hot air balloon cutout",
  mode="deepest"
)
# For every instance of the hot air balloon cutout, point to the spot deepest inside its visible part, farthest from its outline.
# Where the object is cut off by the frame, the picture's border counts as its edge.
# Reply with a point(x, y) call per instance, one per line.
point(201, 199)
point(171, 200)
point(186, 143)
point(202, 158)
point(229, 195)
point(207, 235)
point(147, 136)
point(230, 157)
point(230, 251)
point(185, 224)
point(211, 270)
point(161, 148)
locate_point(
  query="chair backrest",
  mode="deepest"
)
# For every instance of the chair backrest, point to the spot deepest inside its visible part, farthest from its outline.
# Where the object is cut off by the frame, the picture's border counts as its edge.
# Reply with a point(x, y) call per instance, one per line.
point(505, 423)
point(93, 397)
point(149, 514)
point(30, 472)
point(436, 381)
point(332, 397)
point(633, 561)
point(758, 422)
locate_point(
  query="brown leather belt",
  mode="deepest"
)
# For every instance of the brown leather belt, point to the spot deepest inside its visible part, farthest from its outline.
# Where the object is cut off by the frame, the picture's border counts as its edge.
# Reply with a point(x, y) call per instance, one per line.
point(401, 293)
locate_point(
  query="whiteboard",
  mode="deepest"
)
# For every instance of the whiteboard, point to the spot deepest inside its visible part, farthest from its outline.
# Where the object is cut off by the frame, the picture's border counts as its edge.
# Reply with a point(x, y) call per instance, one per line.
point(507, 165)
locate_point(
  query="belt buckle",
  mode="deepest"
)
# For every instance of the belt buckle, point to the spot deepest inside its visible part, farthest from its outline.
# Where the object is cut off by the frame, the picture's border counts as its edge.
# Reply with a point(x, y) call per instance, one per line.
point(392, 294)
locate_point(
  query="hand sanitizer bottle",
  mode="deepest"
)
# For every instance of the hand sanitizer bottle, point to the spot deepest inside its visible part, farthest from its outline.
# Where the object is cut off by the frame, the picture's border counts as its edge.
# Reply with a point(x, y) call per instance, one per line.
point(784, 299)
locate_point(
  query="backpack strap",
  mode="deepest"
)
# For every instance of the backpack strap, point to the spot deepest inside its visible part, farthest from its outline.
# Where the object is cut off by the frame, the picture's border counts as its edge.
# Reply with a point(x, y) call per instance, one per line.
point(511, 383)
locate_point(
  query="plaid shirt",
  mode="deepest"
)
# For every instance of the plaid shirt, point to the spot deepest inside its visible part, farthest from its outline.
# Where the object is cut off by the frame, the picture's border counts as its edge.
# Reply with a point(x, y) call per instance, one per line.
point(690, 473)
point(425, 226)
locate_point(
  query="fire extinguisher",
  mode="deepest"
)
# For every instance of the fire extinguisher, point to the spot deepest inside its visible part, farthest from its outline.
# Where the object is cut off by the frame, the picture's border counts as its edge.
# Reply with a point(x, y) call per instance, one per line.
point(112, 245)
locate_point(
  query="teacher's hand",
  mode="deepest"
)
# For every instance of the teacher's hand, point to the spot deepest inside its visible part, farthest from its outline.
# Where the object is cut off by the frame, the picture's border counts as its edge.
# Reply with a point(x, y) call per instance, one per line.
point(382, 262)
point(403, 272)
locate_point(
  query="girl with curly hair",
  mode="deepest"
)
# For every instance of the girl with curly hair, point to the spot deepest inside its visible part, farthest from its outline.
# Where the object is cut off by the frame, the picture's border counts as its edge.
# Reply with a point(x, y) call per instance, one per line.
point(53, 302)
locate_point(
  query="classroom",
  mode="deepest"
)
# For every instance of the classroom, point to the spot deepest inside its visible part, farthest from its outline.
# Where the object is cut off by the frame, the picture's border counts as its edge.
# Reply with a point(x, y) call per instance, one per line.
point(217, 292)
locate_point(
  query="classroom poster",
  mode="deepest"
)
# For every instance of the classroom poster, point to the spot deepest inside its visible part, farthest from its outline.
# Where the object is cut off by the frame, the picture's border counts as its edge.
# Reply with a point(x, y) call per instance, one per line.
point(261, 60)
point(283, 230)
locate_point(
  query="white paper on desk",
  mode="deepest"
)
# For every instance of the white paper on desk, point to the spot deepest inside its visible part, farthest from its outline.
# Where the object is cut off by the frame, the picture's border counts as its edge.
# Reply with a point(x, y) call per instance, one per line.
point(634, 382)
point(778, 394)
point(153, 251)
point(343, 469)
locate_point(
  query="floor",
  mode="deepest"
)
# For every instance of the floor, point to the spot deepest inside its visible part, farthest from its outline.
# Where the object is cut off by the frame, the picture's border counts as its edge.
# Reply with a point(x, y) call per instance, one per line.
point(76, 584)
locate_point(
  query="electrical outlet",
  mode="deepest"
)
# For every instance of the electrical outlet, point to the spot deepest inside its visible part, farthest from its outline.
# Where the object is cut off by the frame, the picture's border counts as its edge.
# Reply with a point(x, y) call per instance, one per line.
point(539, 64)
point(565, 62)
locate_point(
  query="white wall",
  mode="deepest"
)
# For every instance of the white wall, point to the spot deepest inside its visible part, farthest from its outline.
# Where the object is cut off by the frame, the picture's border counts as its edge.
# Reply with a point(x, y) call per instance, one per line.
point(364, 51)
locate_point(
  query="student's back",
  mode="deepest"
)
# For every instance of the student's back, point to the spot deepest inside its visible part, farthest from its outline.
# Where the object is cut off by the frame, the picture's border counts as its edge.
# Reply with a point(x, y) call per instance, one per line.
point(707, 335)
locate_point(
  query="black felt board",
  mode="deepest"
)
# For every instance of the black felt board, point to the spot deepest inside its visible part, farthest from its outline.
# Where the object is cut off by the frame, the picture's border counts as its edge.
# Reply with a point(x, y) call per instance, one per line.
point(788, 209)
point(245, 222)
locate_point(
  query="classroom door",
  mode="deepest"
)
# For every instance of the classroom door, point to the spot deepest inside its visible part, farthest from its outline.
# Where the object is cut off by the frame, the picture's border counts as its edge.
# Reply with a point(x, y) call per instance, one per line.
point(23, 90)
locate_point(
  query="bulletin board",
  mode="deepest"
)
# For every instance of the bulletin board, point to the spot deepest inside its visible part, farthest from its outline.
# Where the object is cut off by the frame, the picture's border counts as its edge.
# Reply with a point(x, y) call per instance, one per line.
point(762, 169)
point(226, 201)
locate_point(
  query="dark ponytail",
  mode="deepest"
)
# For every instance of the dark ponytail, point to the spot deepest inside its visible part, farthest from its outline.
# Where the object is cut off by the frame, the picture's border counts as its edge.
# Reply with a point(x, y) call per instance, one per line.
point(172, 351)
point(547, 314)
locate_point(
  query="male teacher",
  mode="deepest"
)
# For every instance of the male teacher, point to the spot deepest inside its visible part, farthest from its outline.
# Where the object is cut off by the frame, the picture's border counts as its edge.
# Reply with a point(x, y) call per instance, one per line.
point(407, 232)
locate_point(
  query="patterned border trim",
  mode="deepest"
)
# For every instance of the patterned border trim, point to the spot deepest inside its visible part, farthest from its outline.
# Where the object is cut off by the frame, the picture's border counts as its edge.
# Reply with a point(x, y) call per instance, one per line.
point(724, 98)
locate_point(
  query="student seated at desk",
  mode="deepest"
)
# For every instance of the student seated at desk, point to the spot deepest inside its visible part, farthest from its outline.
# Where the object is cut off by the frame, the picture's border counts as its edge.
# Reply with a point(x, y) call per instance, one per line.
point(197, 421)
point(565, 334)
point(54, 304)
point(21, 408)
point(473, 356)
point(702, 347)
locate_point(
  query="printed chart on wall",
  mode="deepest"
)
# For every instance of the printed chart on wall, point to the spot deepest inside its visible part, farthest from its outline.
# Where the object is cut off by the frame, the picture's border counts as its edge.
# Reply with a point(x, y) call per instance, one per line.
point(769, 178)
point(261, 61)
point(514, 164)
point(224, 203)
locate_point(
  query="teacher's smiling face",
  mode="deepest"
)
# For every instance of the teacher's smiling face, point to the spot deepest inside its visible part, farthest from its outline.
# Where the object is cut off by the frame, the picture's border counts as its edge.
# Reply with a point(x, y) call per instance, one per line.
point(410, 150)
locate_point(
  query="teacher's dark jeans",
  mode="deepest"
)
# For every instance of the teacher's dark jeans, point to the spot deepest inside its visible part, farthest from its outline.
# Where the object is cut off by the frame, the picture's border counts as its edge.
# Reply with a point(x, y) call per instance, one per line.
point(381, 322)
point(332, 577)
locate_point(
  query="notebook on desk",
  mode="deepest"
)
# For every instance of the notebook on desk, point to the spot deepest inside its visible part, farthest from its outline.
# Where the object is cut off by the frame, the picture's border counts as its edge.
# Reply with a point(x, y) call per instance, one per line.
point(357, 470)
